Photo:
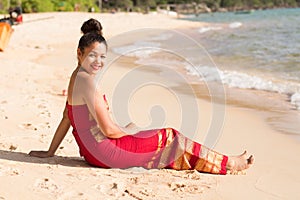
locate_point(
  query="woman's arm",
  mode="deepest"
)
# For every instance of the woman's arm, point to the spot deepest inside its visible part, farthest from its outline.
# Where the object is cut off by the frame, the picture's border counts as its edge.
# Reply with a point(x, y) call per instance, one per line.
point(107, 126)
point(130, 128)
point(98, 108)
point(59, 135)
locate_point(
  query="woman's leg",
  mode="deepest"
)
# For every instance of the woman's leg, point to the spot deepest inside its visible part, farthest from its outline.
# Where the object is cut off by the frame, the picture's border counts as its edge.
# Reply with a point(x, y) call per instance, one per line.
point(129, 151)
point(167, 148)
point(181, 153)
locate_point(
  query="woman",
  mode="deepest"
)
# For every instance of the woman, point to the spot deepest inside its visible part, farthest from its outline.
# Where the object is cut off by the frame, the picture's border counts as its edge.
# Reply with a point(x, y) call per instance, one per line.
point(104, 144)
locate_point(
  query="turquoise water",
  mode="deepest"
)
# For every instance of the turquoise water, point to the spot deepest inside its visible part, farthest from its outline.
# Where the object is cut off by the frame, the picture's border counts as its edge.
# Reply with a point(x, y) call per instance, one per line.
point(260, 50)
point(272, 37)
point(257, 53)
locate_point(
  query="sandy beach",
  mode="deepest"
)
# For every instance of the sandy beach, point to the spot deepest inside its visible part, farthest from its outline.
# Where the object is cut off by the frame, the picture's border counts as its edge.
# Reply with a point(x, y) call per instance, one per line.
point(36, 67)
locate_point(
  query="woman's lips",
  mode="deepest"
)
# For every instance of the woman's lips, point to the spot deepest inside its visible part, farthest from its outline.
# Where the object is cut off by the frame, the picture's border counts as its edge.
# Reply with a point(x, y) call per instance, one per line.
point(95, 67)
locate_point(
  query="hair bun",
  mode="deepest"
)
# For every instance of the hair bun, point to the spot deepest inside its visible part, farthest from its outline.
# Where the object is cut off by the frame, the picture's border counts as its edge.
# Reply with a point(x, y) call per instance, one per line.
point(91, 25)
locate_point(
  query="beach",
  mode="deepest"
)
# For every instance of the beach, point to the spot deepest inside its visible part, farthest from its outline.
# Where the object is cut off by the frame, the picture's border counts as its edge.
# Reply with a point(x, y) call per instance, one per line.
point(36, 67)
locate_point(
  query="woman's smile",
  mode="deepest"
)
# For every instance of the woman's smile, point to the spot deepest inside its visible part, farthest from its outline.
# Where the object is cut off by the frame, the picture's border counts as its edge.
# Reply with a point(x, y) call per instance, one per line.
point(94, 58)
point(96, 66)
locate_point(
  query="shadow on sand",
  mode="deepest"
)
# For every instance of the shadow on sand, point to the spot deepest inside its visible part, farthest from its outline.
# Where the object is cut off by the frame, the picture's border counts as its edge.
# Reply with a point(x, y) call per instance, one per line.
point(56, 160)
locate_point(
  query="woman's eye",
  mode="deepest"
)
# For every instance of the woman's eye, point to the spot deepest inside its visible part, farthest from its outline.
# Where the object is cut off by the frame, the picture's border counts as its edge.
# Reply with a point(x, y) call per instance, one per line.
point(92, 55)
point(103, 56)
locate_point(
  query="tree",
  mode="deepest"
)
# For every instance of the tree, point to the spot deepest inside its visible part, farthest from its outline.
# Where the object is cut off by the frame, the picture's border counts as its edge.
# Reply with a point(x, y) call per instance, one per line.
point(227, 3)
point(85, 5)
point(30, 6)
point(161, 2)
point(124, 3)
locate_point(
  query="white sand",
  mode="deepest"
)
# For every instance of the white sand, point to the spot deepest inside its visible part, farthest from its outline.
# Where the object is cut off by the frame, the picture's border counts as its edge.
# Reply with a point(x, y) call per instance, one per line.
point(36, 67)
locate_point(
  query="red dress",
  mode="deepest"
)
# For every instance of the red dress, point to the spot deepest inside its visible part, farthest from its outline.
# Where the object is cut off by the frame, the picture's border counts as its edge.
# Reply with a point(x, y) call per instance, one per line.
point(157, 148)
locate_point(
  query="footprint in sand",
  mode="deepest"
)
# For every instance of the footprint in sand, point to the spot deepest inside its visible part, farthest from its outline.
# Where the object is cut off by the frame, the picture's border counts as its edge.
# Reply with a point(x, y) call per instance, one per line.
point(72, 195)
point(44, 111)
point(140, 194)
point(9, 171)
point(28, 126)
point(192, 174)
point(185, 187)
point(77, 176)
point(2, 110)
point(188, 182)
point(42, 106)
point(137, 187)
point(6, 146)
point(114, 189)
point(35, 127)
point(47, 185)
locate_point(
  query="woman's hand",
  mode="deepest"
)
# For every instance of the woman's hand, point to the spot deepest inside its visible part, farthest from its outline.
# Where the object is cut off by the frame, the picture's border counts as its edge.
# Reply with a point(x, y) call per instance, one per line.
point(131, 128)
point(41, 154)
point(59, 135)
point(131, 125)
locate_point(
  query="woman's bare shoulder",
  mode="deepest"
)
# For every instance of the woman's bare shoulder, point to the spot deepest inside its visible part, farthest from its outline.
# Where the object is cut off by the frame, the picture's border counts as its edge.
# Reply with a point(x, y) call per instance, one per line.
point(84, 79)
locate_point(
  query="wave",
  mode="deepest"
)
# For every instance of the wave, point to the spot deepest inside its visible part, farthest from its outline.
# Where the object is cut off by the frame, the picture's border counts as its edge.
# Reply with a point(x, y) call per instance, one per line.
point(295, 100)
point(245, 81)
point(143, 49)
point(140, 49)
point(235, 24)
point(209, 28)
point(162, 37)
point(232, 25)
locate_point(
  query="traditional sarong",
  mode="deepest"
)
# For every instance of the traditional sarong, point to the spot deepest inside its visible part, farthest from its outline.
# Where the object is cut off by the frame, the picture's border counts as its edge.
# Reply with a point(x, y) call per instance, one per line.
point(157, 148)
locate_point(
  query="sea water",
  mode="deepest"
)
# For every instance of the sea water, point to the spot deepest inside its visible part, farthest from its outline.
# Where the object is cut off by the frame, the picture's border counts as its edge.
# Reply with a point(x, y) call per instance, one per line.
point(266, 44)
point(257, 51)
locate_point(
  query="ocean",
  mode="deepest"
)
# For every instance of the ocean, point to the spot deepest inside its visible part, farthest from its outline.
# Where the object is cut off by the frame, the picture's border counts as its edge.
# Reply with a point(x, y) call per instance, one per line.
point(257, 52)
point(265, 43)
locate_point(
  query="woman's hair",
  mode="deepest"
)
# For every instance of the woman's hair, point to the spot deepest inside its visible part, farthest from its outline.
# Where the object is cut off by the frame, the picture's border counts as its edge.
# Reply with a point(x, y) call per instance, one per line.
point(92, 31)
point(90, 38)
point(90, 26)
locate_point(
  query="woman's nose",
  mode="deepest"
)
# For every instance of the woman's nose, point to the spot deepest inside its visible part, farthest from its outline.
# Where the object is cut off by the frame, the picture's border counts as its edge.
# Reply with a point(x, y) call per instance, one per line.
point(99, 59)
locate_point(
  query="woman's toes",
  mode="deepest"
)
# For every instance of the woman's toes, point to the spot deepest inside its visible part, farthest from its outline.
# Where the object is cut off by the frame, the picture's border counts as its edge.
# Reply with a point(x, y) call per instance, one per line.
point(250, 160)
point(245, 153)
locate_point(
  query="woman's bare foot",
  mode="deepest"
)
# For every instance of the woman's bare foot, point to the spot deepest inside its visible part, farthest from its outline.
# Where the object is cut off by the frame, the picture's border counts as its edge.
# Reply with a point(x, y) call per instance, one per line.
point(239, 163)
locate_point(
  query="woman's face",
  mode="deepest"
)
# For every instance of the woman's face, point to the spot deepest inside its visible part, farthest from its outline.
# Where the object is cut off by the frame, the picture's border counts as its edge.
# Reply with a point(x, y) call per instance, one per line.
point(93, 57)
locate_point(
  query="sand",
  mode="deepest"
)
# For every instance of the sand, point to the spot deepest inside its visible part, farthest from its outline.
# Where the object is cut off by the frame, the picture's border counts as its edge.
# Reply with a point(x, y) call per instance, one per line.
point(36, 67)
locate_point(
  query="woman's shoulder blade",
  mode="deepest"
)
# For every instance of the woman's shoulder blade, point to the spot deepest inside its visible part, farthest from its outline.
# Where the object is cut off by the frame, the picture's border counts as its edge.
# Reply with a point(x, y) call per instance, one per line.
point(84, 78)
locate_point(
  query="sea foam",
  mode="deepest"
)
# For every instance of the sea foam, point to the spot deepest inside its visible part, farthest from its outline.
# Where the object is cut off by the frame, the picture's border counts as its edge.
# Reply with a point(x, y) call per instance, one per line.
point(246, 81)
point(295, 100)
point(235, 25)
point(140, 49)
point(209, 28)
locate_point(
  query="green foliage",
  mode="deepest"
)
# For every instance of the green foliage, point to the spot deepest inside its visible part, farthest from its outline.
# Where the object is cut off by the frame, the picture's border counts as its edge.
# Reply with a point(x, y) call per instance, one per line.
point(45, 5)
point(30, 5)
point(37, 6)
point(150, 3)
point(5, 4)
point(86, 5)
point(124, 3)
point(160, 2)
point(58, 5)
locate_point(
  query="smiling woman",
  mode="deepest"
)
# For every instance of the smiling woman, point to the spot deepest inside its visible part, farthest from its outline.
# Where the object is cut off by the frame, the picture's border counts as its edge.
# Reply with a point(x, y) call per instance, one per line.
point(105, 144)
point(92, 57)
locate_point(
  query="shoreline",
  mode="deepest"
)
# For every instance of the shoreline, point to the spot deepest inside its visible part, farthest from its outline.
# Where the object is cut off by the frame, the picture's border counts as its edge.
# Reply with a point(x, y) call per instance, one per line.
point(279, 113)
point(33, 105)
